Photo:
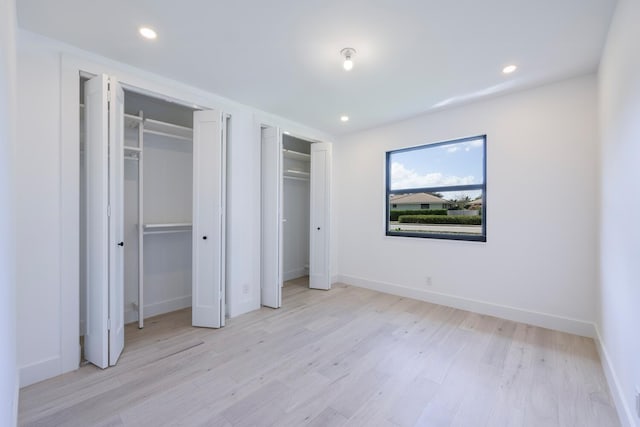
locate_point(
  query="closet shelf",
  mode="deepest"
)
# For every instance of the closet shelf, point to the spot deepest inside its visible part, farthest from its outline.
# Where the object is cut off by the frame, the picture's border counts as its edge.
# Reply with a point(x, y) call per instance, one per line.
point(296, 155)
point(296, 173)
point(156, 127)
point(131, 121)
point(132, 153)
point(176, 227)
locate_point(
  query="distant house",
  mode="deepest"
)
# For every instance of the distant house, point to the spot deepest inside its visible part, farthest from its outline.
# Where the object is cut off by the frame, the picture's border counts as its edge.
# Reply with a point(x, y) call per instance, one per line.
point(476, 204)
point(418, 201)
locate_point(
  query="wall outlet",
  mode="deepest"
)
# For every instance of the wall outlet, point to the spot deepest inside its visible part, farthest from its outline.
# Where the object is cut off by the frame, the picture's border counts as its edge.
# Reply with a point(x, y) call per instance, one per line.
point(428, 281)
point(245, 289)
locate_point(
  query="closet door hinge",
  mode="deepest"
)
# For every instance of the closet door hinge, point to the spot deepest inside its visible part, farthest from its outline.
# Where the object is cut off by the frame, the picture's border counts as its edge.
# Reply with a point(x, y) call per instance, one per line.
point(108, 324)
point(108, 210)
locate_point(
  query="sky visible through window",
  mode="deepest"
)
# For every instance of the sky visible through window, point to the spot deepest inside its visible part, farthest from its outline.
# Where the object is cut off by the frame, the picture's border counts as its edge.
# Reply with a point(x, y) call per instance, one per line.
point(458, 163)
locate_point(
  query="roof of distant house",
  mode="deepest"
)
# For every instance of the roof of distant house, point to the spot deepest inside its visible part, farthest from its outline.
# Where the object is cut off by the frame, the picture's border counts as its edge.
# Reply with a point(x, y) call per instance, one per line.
point(416, 198)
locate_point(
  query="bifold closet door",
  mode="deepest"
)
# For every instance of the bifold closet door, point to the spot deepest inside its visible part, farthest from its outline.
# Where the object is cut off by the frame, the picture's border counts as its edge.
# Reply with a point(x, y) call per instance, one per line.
point(271, 214)
point(104, 338)
point(208, 273)
point(116, 222)
point(319, 222)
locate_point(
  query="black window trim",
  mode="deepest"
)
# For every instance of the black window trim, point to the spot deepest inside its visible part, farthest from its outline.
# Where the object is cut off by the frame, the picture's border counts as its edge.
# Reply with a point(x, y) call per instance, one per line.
point(483, 187)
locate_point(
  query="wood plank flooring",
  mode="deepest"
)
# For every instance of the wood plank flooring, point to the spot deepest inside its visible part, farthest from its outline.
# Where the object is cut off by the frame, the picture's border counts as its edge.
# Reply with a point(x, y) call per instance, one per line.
point(348, 356)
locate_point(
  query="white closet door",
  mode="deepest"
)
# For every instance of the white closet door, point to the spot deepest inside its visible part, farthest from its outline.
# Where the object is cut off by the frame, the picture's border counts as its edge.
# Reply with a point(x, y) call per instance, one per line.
point(104, 338)
point(116, 222)
point(96, 345)
point(271, 226)
point(208, 220)
point(319, 233)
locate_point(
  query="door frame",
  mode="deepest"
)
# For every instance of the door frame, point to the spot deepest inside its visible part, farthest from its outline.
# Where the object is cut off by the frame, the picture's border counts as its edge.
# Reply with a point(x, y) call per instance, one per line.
point(260, 124)
point(71, 71)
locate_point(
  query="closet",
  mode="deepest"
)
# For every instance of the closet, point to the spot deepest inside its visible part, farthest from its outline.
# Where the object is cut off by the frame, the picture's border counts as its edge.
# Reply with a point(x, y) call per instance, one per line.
point(296, 170)
point(158, 193)
point(294, 209)
point(152, 212)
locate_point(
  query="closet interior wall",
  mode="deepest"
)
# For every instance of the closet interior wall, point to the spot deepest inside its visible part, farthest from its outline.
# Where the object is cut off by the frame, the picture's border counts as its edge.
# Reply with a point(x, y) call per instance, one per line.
point(295, 237)
point(167, 200)
point(158, 192)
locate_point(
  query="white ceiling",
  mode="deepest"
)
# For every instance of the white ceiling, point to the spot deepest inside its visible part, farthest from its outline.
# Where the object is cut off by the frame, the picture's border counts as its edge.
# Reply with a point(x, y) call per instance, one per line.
point(282, 56)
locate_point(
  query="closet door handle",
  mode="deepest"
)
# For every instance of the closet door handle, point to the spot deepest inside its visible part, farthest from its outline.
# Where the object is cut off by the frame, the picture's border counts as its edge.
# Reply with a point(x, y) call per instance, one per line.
point(318, 228)
point(204, 237)
point(121, 244)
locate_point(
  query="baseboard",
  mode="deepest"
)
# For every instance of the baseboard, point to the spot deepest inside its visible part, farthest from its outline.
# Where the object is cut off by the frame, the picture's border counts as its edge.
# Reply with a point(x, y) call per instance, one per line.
point(544, 320)
point(39, 371)
point(624, 412)
point(294, 274)
point(157, 308)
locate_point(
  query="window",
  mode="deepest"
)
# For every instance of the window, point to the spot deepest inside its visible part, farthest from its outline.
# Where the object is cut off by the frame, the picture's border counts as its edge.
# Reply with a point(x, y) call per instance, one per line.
point(449, 179)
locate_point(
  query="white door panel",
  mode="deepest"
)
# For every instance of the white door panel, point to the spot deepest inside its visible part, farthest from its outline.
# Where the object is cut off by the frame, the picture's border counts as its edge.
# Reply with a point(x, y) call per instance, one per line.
point(116, 222)
point(96, 345)
point(271, 214)
point(208, 220)
point(319, 271)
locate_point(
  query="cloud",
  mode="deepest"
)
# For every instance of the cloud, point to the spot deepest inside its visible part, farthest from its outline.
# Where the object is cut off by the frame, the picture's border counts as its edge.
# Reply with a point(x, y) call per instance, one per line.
point(401, 177)
point(466, 146)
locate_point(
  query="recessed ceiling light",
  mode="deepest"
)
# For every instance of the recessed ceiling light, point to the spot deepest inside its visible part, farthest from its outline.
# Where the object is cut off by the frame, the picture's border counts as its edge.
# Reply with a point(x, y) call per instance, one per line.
point(148, 33)
point(287, 133)
point(344, 118)
point(509, 69)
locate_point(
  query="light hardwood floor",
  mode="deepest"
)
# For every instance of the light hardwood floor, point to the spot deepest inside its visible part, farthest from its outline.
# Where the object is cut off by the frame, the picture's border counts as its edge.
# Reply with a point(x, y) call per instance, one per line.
point(344, 357)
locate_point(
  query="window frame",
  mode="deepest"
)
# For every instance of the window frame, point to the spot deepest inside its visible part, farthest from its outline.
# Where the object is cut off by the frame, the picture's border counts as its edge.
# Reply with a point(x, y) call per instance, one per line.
point(443, 236)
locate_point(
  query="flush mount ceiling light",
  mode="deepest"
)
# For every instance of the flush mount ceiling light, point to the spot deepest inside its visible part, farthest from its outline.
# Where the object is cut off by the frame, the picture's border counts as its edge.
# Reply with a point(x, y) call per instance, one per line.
point(147, 33)
point(344, 118)
point(348, 53)
point(509, 69)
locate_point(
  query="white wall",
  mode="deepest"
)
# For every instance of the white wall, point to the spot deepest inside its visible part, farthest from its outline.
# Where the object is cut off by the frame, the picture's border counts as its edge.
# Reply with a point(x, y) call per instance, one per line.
point(9, 382)
point(619, 314)
point(539, 262)
point(38, 212)
point(47, 346)
point(295, 234)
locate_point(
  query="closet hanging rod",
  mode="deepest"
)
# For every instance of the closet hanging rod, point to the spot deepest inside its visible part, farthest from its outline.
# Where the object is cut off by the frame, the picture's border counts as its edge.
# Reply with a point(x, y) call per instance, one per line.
point(129, 148)
point(169, 135)
point(133, 117)
point(167, 226)
point(131, 158)
point(166, 231)
point(297, 172)
point(160, 123)
point(296, 178)
point(296, 155)
point(161, 128)
point(175, 227)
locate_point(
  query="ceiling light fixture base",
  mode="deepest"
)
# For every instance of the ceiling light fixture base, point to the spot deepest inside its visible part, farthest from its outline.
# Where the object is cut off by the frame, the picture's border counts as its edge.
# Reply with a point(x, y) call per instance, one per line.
point(348, 53)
